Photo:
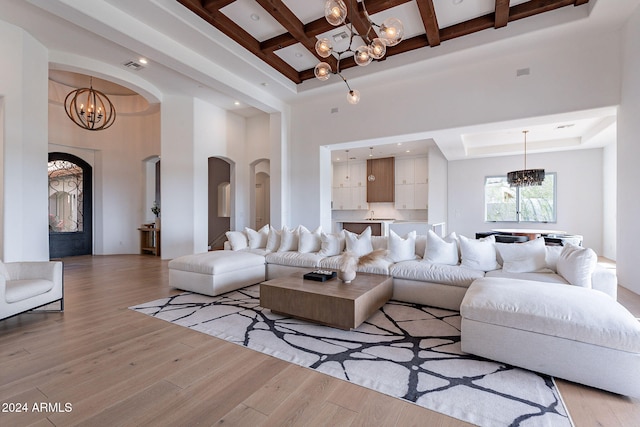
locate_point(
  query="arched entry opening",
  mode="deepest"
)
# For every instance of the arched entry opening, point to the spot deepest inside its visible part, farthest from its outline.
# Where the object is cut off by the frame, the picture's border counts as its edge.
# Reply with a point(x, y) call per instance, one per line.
point(70, 213)
point(261, 197)
point(220, 201)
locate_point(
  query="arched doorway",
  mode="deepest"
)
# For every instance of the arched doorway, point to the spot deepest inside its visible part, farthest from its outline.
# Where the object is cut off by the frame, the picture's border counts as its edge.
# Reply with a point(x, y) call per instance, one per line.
point(70, 214)
point(220, 201)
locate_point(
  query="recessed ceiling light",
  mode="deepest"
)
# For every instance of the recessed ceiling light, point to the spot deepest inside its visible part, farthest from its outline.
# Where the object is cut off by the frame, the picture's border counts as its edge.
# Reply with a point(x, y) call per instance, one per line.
point(456, 1)
point(236, 103)
point(265, 84)
point(254, 17)
point(143, 60)
point(408, 151)
point(399, 144)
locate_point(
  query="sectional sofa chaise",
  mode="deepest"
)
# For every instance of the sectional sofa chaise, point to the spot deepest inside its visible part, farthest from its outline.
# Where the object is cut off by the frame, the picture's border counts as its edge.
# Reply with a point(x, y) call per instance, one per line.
point(555, 298)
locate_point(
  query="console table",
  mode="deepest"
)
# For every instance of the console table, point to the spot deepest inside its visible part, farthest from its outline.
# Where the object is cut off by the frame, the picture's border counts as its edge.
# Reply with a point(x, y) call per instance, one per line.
point(149, 240)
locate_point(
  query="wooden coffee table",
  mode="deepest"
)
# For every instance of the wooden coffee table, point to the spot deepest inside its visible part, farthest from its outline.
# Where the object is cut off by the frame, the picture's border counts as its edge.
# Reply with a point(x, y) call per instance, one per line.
point(331, 303)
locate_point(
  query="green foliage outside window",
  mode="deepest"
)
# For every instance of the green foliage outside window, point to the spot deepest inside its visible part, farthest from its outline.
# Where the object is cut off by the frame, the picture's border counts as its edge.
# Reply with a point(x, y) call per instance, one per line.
point(525, 204)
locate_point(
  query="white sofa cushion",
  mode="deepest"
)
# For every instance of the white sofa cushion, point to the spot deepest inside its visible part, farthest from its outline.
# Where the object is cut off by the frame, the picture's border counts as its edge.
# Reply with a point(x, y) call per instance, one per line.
point(359, 244)
point(289, 239)
point(216, 262)
point(294, 259)
point(576, 264)
point(331, 244)
point(568, 312)
point(273, 241)
point(538, 276)
point(402, 248)
point(524, 257)
point(435, 273)
point(3, 271)
point(257, 239)
point(19, 290)
point(309, 241)
point(552, 253)
point(479, 254)
point(237, 240)
point(441, 251)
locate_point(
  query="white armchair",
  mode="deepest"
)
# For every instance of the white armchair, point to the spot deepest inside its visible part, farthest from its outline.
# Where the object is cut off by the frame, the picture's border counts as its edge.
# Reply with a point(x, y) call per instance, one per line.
point(28, 285)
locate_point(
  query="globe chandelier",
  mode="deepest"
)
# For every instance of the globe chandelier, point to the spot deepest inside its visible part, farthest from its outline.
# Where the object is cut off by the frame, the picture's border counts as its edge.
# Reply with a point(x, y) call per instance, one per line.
point(525, 177)
point(89, 108)
point(377, 38)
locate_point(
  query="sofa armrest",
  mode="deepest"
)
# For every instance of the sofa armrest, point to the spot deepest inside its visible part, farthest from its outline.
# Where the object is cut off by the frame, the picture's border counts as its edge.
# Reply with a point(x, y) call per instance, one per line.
point(48, 270)
point(605, 280)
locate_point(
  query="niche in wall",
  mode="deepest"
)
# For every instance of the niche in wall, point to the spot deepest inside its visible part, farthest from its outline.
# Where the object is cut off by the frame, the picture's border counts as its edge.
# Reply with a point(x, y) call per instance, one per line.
point(220, 201)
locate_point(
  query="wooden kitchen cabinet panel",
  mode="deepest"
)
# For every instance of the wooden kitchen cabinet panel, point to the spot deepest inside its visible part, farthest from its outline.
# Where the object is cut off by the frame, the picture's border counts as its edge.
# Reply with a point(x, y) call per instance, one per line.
point(383, 188)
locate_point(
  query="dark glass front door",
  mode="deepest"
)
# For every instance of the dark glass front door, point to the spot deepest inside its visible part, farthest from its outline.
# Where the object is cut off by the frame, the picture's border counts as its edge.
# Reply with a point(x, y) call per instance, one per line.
point(70, 215)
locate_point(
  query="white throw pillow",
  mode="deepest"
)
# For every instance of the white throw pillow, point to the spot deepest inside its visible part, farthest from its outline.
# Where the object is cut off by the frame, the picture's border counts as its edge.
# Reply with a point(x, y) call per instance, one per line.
point(257, 239)
point(402, 248)
point(309, 241)
point(551, 257)
point(479, 254)
point(288, 240)
point(441, 251)
point(3, 271)
point(524, 257)
point(331, 244)
point(273, 241)
point(576, 265)
point(359, 244)
point(237, 240)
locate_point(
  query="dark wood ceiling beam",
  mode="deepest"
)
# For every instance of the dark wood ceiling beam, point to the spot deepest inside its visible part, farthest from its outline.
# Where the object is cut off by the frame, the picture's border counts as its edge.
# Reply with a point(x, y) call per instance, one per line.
point(502, 13)
point(294, 26)
point(240, 36)
point(430, 21)
point(277, 42)
point(355, 15)
point(580, 2)
point(212, 5)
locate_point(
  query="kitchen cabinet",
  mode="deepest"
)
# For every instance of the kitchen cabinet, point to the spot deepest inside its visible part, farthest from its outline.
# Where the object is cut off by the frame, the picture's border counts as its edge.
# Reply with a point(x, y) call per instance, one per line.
point(349, 186)
point(382, 188)
point(412, 188)
point(405, 170)
point(421, 170)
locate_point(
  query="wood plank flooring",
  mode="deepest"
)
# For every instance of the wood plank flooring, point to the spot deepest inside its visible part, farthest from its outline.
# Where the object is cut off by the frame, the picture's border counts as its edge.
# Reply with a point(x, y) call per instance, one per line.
point(120, 368)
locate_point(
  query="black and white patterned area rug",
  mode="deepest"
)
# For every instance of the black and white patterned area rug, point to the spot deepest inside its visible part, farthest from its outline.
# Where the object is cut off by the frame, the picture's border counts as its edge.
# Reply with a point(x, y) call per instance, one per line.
point(405, 350)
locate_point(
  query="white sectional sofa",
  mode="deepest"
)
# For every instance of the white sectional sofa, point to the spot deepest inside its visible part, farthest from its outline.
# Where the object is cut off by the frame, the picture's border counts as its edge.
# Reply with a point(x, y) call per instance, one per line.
point(434, 271)
point(519, 302)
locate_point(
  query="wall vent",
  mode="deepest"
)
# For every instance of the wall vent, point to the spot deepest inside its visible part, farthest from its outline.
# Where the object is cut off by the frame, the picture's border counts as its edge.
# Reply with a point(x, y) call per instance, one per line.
point(134, 65)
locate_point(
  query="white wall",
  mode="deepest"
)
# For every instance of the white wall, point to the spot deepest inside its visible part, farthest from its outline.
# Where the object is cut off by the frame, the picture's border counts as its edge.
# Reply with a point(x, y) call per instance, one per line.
point(628, 255)
point(438, 187)
point(609, 199)
point(579, 193)
point(24, 232)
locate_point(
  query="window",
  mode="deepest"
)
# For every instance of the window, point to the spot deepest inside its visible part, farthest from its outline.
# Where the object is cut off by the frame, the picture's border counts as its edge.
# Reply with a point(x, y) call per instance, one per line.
point(523, 204)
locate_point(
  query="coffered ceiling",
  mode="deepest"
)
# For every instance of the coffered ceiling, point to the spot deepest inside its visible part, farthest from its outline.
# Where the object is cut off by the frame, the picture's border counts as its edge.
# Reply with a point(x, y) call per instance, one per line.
point(283, 33)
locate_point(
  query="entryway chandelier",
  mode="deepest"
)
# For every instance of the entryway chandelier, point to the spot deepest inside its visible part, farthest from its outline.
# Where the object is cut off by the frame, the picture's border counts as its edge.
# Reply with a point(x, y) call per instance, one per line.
point(95, 111)
point(525, 177)
point(390, 33)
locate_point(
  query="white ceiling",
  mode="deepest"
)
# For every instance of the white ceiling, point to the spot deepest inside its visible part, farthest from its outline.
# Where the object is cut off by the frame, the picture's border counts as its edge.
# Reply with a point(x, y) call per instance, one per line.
point(112, 32)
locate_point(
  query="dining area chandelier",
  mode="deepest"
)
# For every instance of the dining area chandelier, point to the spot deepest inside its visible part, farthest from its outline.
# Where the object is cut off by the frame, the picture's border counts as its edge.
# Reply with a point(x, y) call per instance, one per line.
point(525, 177)
point(376, 39)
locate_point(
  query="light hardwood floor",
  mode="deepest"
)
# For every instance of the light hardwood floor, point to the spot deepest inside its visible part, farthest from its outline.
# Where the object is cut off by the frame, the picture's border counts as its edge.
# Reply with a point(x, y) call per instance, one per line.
point(118, 367)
